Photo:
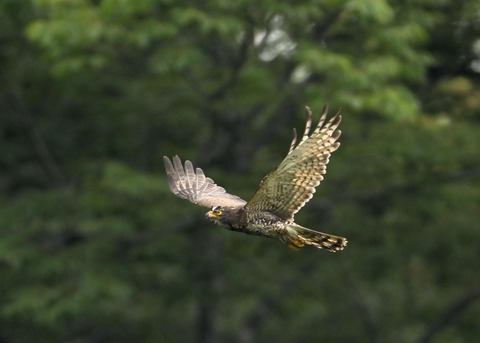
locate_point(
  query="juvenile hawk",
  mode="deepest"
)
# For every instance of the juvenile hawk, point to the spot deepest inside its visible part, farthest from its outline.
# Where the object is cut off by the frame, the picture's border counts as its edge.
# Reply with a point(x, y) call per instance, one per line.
point(281, 194)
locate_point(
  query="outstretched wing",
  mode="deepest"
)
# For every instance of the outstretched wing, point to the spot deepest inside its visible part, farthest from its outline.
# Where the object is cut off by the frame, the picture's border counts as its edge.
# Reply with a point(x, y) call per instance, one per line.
point(285, 190)
point(193, 185)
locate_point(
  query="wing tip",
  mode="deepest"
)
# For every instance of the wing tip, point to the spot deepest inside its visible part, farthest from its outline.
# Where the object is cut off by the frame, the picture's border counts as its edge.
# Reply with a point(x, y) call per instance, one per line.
point(325, 109)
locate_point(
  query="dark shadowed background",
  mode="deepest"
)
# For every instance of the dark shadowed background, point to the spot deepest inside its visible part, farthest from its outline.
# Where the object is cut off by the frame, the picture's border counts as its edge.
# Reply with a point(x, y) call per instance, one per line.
point(94, 247)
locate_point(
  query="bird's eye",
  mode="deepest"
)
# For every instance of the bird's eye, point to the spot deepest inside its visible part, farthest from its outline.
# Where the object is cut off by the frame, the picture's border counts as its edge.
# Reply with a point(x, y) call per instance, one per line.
point(218, 212)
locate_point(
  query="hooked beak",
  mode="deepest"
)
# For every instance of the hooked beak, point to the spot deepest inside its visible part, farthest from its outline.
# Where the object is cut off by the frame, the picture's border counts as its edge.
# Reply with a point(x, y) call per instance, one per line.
point(210, 215)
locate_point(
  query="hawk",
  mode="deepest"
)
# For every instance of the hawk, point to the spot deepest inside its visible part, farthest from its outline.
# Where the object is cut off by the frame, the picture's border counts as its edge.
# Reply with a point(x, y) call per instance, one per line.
point(281, 193)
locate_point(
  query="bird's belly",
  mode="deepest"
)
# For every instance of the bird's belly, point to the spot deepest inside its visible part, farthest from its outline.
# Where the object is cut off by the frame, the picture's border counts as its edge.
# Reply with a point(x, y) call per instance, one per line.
point(265, 224)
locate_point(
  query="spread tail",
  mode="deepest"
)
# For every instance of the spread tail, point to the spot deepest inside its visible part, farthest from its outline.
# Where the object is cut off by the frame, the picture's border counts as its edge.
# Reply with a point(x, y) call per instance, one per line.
point(298, 236)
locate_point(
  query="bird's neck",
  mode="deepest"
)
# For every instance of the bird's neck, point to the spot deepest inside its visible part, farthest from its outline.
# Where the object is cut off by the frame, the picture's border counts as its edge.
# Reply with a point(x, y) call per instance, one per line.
point(234, 219)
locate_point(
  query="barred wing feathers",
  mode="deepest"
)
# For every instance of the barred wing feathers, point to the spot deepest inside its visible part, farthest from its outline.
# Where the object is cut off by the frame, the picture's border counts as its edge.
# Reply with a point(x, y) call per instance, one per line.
point(192, 184)
point(292, 184)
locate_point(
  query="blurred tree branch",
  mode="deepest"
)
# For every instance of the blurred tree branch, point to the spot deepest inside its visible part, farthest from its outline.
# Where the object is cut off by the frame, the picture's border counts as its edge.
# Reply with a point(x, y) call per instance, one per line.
point(450, 315)
point(52, 169)
point(386, 193)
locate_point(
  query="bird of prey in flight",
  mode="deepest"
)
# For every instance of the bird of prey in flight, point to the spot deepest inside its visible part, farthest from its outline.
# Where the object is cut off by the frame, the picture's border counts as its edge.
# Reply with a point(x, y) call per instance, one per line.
point(282, 193)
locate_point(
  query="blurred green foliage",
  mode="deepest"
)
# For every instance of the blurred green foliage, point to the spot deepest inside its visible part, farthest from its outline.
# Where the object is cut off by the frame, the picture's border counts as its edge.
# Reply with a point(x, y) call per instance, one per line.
point(93, 246)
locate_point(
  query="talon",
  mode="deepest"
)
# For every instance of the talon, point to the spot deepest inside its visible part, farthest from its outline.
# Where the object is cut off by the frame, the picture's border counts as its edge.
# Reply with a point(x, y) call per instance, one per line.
point(295, 244)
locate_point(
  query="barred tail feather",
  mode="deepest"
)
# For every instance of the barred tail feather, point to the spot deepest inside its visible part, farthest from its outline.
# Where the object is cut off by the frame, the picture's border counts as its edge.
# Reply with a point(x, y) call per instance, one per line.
point(298, 236)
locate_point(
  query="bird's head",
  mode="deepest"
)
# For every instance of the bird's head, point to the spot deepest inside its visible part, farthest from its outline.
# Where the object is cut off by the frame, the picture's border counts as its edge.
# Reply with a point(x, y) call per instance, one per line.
point(226, 216)
point(215, 214)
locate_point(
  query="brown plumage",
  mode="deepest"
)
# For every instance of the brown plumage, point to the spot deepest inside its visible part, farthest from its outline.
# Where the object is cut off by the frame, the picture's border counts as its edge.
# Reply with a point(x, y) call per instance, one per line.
point(282, 193)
